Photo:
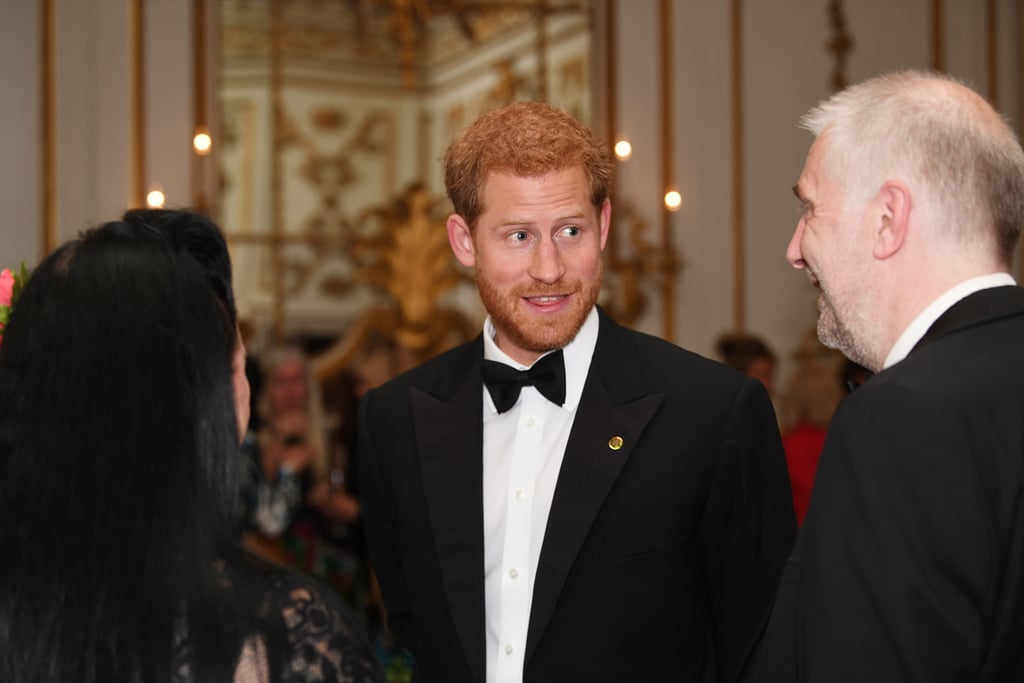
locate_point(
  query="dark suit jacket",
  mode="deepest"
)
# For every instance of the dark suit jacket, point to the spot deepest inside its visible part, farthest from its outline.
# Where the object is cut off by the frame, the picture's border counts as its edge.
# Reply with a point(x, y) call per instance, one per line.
point(910, 563)
point(651, 552)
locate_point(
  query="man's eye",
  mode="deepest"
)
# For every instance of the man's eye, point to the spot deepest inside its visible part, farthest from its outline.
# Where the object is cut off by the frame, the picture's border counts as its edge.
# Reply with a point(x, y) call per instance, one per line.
point(518, 236)
point(571, 230)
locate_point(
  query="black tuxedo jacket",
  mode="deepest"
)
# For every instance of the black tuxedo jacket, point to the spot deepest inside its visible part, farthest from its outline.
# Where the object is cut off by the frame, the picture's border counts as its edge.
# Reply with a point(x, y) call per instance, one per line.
point(910, 563)
point(654, 554)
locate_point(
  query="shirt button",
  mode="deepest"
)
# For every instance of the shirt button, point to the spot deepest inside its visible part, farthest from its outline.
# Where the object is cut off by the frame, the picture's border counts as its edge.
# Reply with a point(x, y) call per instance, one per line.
point(508, 649)
point(520, 495)
point(530, 422)
point(514, 573)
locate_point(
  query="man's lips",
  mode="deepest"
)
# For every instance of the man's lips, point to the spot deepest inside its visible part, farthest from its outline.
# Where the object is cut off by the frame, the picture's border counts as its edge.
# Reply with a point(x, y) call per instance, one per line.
point(545, 299)
point(547, 303)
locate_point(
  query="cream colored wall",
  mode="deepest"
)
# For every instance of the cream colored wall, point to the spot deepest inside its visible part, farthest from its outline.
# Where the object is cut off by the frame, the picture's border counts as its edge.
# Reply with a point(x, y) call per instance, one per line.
point(92, 148)
point(785, 39)
point(169, 98)
point(93, 142)
point(20, 162)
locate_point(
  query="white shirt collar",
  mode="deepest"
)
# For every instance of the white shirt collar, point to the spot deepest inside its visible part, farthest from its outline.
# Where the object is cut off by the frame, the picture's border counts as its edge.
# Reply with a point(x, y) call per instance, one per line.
point(577, 354)
point(919, 325)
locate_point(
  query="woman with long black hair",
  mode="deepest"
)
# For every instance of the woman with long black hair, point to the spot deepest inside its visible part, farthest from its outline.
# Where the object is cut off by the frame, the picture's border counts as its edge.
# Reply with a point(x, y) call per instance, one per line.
point(122, 401)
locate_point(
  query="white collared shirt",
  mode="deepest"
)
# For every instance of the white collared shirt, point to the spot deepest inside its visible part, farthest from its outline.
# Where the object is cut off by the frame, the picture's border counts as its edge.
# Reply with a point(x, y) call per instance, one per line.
point(924, 320)
point(523, 450)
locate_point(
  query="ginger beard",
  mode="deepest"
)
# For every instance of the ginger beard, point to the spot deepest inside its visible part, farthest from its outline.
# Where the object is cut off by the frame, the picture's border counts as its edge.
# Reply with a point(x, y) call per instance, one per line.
point(532, 331)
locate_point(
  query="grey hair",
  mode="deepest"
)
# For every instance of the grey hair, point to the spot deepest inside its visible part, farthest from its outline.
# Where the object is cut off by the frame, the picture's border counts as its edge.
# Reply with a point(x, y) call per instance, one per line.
point(934, 132)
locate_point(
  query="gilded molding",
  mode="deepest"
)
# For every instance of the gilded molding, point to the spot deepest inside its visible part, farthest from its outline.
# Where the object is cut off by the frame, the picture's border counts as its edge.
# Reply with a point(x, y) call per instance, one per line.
point(937, 36)
point(1020, 103)
point(839, 45)
point(137, 79)
point(611, 99)
point(668, 284)
point(739, 265)
point(278, 137)
point(992, 52)
point(200, 104)
point(50, 236)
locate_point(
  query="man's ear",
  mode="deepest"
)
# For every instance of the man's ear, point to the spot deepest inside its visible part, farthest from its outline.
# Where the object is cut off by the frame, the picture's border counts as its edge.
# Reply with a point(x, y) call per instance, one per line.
point(605, 216)
point(460, 237)
point(893, 219)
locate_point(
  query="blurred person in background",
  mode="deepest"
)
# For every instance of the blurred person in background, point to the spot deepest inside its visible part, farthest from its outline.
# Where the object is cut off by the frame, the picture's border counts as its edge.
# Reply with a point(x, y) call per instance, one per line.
point(300, 508)
point(749, 354)
point(812, 394)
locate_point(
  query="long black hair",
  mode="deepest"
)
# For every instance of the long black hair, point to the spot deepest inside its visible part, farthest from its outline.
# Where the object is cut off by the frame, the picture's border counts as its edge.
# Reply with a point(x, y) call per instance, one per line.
point(118, 463)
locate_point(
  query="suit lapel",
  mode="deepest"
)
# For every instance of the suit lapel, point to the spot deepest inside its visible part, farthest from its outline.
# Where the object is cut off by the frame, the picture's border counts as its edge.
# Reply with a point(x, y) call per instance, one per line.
point(610, 419)
point(979, 308)
point(449, 436)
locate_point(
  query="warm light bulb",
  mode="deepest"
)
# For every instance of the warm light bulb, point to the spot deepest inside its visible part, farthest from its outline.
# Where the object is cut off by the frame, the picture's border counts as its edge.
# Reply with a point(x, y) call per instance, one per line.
point(155, 199)
point(673, 200)
point(202, 142)
point(623, 150)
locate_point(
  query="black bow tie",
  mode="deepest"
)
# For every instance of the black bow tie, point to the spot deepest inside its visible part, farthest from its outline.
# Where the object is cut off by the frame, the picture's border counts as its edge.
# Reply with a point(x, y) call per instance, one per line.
point(505, 382)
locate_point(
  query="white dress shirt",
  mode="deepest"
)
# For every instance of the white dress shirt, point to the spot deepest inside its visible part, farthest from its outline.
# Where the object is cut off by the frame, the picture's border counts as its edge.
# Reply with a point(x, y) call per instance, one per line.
point(523, 451)
point(924, 320)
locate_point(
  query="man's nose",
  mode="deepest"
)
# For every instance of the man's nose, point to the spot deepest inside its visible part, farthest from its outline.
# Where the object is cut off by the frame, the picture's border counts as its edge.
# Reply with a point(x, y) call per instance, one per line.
point(793, 253)
point(547, 265)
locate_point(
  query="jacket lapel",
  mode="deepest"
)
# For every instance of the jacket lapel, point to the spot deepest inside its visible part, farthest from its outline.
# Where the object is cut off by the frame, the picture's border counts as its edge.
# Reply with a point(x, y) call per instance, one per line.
point(979, 308)
point(449, 436)
point(610, 419)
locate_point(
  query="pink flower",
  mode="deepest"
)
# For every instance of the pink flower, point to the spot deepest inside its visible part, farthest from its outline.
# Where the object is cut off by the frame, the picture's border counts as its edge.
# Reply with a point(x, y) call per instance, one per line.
point(6, 287)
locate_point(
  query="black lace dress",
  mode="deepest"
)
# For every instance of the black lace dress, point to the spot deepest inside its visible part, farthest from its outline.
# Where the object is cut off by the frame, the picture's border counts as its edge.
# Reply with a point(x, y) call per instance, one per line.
point(325, 641)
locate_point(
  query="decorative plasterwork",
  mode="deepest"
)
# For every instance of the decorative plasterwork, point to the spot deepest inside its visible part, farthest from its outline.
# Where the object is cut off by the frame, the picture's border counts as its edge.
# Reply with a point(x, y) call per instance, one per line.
point(391, 36)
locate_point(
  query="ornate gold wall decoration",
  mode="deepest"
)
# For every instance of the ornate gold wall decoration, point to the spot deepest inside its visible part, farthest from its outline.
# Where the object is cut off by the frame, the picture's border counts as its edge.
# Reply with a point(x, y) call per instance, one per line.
point(574, 83)
point(405, 257)
point(381, 36)
point(637, 267)
point(238, 133)
point(408, 258)
point(511, 86)
point(328, 119)
point(332, 176)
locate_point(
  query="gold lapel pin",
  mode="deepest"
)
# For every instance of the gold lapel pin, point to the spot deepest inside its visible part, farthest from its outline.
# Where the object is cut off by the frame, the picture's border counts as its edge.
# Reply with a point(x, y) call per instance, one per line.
point(615, 443)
